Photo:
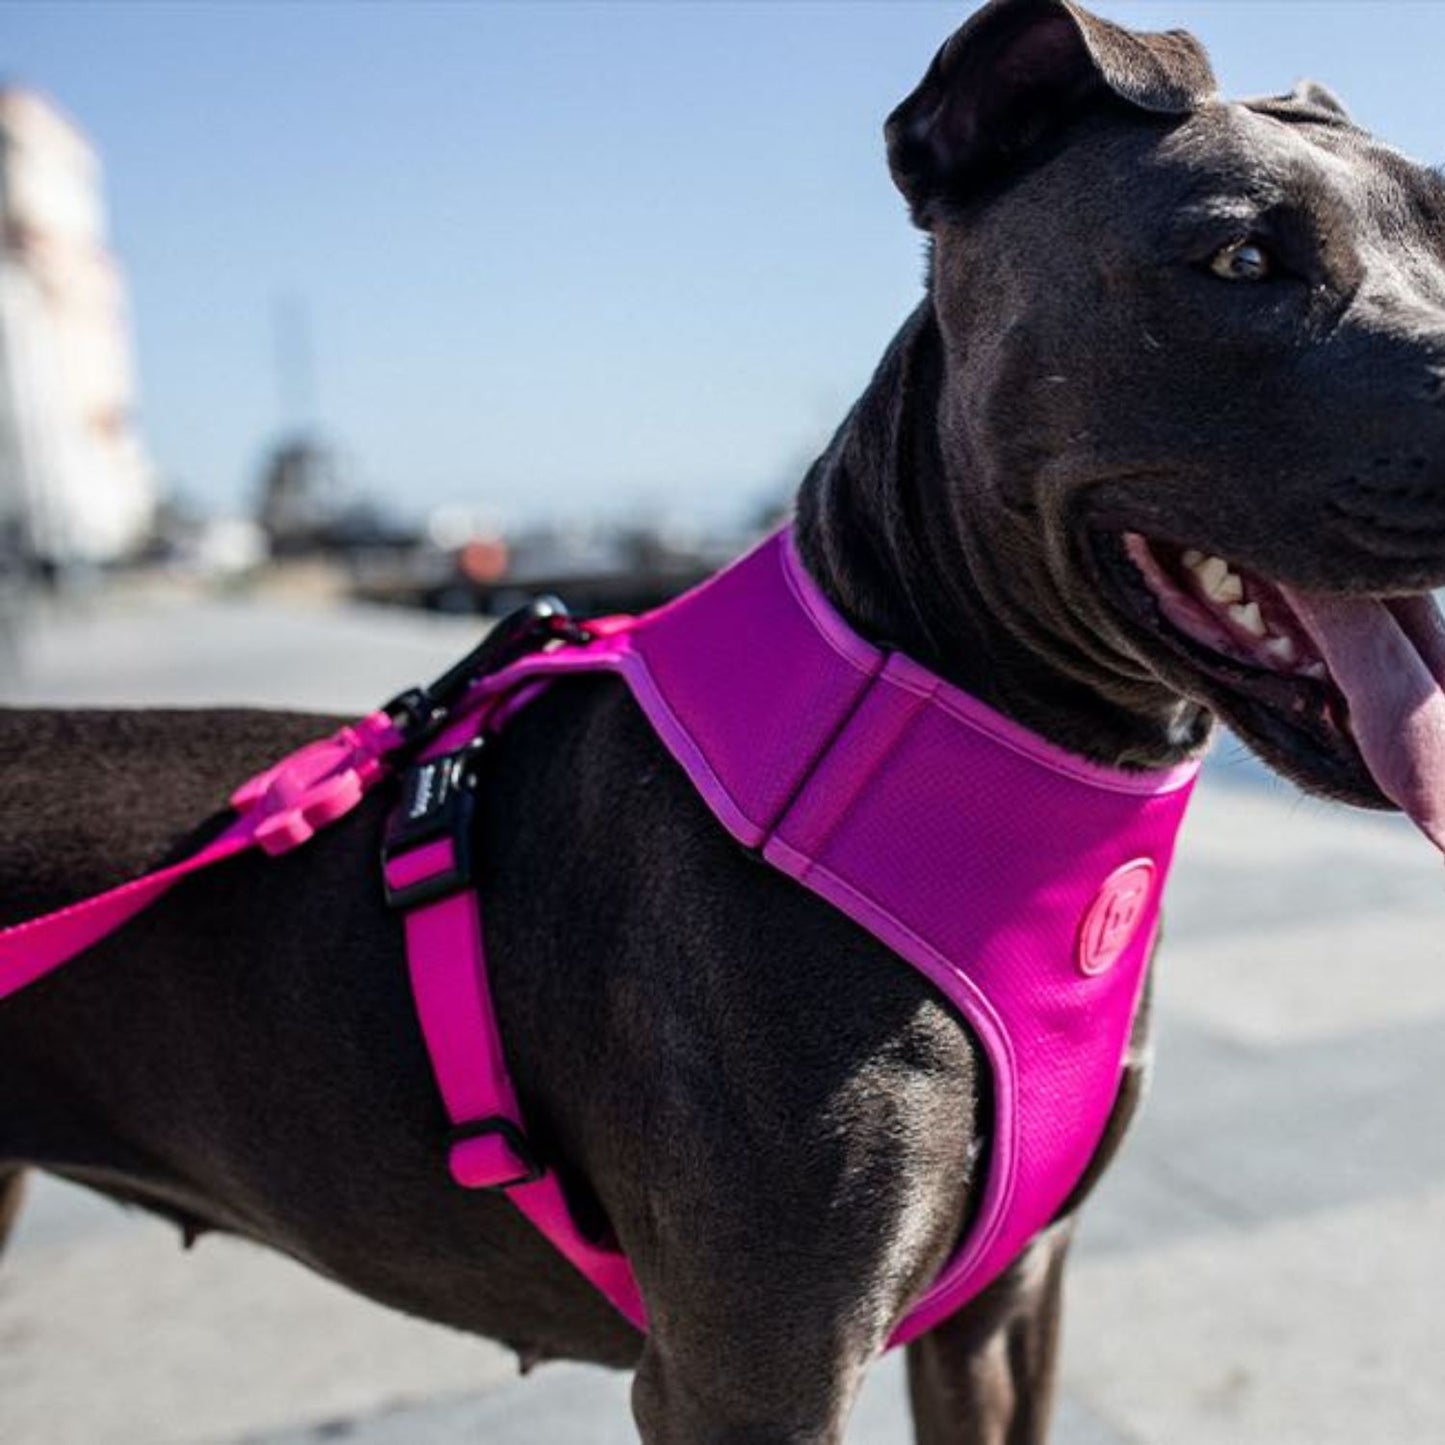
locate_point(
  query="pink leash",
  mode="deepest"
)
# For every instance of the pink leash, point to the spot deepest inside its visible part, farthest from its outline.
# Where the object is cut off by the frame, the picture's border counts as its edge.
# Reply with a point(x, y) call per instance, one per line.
point(277, 810)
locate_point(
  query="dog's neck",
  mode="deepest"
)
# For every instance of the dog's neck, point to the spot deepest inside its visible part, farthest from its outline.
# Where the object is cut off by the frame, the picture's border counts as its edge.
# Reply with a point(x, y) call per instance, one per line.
point(914, 563)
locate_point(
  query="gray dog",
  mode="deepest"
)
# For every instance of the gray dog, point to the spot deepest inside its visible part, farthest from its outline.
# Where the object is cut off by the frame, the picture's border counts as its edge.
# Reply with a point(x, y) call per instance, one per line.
point(1164, 441)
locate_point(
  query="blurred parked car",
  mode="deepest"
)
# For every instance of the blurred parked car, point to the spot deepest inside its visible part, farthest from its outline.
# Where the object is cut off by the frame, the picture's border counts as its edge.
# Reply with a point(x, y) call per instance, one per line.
point(593, 570)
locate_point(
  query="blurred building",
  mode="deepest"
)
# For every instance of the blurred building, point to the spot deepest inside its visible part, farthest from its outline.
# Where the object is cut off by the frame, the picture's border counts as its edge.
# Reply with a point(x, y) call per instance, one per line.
point(75, 480)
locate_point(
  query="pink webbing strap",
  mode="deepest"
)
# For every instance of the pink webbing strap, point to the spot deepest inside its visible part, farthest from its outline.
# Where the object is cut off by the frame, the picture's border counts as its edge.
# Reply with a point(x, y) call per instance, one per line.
point(276, 811)
point(489, 1150)
point(448, 977)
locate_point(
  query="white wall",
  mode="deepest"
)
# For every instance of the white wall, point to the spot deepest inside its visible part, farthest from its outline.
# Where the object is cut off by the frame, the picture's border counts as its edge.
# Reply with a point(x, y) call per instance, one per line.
point(70, 450)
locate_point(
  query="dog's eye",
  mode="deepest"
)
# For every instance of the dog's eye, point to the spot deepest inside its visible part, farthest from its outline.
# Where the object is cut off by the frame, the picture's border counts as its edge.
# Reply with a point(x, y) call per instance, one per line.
point(1243, 261)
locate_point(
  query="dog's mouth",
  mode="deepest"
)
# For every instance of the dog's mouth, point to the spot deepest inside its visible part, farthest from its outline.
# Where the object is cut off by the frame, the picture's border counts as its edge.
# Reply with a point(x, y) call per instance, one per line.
point(1344, 694)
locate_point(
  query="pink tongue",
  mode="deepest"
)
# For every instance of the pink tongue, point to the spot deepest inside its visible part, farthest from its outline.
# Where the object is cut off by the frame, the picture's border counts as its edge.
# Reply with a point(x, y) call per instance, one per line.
point(1388, 658)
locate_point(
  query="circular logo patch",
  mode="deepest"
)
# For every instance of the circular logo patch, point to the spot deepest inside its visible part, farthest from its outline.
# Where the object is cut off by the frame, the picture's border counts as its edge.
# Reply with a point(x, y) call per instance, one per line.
point(1114, 916)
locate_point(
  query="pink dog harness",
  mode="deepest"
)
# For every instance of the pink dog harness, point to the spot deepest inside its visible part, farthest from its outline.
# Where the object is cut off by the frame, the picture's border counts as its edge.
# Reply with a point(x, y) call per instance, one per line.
point(1022, 881)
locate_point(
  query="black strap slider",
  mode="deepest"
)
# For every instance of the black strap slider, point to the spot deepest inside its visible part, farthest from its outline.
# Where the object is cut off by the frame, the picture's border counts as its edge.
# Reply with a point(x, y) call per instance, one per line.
point(532, 1168)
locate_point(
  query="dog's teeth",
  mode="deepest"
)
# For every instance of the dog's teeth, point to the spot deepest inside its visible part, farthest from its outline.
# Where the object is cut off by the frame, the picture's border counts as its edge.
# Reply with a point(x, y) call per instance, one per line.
point(1246, 616)
point(1316, 670)
point(1281, 650)
point(1229, 588)
point(1212, 571)
point(1220, 583)
point(1192, 558)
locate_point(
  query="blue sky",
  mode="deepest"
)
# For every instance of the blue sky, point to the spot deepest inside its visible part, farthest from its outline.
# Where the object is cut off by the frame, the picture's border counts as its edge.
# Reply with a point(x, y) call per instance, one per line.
point(557, 256)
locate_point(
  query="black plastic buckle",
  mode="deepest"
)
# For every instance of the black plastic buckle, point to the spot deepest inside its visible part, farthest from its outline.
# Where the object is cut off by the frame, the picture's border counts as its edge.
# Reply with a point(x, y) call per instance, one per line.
point(420, 713)
point(438, 802)
point(516, 1142)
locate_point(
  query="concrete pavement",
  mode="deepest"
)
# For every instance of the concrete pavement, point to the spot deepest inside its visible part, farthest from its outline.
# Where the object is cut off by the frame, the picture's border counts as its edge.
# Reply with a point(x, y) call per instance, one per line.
point(1265, 1263)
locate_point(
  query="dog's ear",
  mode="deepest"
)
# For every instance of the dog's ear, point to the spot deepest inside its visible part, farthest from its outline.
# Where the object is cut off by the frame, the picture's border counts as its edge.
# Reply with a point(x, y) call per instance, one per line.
point(1309, 98)
point(1013, 73)
point(1311, 95)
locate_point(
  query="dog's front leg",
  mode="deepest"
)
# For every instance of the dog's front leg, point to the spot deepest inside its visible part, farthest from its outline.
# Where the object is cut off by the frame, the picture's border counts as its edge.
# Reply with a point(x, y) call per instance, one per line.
point(682, 1401)
point(732, 1358)
point(767, 1307)
point(986, 1376)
